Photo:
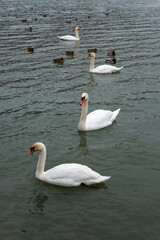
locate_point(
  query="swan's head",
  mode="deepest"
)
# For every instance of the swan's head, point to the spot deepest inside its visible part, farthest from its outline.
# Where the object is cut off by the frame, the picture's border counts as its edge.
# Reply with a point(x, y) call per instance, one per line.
point(83, 98)
point(36, 147)
point(92, 54)
point(77, 29)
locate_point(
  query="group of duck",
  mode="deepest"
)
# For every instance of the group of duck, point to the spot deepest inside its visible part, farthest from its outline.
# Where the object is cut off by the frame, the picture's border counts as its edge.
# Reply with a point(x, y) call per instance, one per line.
point(73, 174)
point(100, 69)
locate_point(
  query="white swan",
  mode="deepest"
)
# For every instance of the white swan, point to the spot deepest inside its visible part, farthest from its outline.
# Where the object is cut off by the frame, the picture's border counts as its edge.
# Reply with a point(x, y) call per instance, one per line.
point(68, 175)
point(103, 68)
point(71, 38)
point(95, 120)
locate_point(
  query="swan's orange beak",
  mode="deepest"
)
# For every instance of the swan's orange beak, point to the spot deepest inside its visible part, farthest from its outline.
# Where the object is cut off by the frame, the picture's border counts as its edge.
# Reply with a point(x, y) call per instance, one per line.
point(88, 55)
point(82, 101)
point(31, 151)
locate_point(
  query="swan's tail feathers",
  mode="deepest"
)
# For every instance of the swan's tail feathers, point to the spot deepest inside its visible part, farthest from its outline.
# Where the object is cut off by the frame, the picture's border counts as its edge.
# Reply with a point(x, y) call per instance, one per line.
point(102, 179)
point(97, 180)
point(106, 178)
point(120, 68)
point(115, 113)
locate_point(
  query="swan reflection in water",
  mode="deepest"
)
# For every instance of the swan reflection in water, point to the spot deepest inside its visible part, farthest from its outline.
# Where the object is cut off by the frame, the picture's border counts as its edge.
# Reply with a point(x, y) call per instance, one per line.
point(36, 202)
point(83, 141)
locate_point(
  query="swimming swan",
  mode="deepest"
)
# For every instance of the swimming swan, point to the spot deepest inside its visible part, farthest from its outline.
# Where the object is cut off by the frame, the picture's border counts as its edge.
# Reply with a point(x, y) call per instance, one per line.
point(68, 175)
point(103, 68)
point(71, 38)
point(95, 120)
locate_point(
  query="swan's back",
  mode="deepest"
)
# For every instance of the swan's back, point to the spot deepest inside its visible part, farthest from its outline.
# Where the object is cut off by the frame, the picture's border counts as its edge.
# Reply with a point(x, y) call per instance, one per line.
point(100, 118)
point(67, 37)
point(106, 69)
point(72, 174)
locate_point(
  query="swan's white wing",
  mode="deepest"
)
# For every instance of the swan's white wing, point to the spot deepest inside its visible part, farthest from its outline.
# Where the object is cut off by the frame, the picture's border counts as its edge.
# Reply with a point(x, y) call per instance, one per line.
point(67, 38)
point(100, 118)
point(72, 175)
point(106, 69)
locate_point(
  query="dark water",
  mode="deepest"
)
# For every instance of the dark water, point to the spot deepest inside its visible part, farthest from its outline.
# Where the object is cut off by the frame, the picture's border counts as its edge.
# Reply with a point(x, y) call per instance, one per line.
point(39, 101)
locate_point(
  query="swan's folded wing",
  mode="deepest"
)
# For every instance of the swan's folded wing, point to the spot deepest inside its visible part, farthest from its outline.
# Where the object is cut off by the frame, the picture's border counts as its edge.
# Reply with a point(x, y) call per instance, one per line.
point(106, 69)
point(99, 119)
point(72, 175)
point(67, 37)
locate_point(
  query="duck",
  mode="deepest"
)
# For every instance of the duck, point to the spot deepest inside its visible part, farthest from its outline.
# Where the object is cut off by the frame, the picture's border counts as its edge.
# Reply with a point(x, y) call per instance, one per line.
point(30, 49)
point(71, 53)
point(111, 53)
point(107, 14)
point(68, 174)
point(71, 38)
point(111, 60)
point(29, 29)
point(58, 60)
point(92, 50)
point(23, 20)
point(103, 68)
point(95, 120)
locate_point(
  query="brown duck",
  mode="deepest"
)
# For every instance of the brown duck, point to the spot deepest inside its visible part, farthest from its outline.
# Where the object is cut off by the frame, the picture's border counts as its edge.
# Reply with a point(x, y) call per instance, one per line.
point(30, 49)
point(58, 60)
point(71, 53)
point(92, 50)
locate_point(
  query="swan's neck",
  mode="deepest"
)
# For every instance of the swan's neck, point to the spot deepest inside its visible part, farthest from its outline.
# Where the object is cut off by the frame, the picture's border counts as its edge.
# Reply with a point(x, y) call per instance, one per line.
point(77, 34)
point(92, 64)
point(41, 162)
point(82, 122)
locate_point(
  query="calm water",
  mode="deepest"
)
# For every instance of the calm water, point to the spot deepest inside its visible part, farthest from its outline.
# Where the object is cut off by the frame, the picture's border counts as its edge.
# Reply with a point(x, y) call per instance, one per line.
point(39, 101)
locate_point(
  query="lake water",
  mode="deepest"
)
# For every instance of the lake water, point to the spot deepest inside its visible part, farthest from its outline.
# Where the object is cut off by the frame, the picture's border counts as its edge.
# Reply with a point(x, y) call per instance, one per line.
point(39, 101)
